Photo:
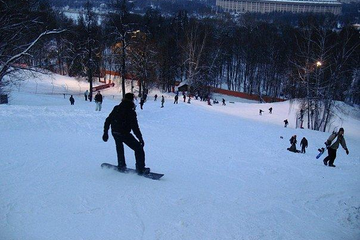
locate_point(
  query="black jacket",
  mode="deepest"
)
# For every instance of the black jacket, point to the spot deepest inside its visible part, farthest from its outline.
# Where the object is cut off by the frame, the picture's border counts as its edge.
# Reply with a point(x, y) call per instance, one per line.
point(293, 140)
point(123, 119)
point(304, 142)
point(98, 98)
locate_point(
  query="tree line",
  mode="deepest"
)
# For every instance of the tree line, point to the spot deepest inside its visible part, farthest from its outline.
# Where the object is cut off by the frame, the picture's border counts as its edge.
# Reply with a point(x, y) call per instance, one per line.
point(314, 58)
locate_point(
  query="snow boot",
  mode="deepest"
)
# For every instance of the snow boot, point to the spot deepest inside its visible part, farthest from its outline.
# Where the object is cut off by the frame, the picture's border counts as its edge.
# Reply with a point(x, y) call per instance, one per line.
point(143, 171)
point(332, 165)
point(122, 168)
point(325, 162)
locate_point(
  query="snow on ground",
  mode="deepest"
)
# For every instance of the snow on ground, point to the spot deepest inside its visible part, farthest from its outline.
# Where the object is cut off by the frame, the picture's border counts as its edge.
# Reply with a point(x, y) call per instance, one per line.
point(228, 174)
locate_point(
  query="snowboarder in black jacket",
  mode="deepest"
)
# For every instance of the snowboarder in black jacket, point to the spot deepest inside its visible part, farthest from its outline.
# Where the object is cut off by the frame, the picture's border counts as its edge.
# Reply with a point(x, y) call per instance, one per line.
point(123, 119)
point(303, 144)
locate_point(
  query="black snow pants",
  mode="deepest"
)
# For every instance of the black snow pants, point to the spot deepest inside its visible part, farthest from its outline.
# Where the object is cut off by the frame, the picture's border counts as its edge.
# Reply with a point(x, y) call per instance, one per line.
point(331, 156)
point(132, 143)
point(302, 149)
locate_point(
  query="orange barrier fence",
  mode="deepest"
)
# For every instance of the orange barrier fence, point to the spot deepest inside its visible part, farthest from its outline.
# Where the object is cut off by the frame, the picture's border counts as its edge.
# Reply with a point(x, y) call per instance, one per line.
point(97, 88)
point(246, 95)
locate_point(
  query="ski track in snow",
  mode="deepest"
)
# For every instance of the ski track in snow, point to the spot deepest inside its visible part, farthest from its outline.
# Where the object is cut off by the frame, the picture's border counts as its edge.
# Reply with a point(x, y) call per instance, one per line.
point(227, 175)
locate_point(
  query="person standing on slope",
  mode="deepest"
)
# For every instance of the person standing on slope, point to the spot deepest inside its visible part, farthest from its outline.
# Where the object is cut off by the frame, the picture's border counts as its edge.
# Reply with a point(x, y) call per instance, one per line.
point(123, 119)
point(332, 148)
point(162, 101)
point(72, 100)
point(303, 144)
point(98, 101)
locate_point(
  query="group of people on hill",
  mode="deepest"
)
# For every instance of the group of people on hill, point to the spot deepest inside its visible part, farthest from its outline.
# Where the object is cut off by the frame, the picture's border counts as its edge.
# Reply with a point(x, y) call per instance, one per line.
point(123, 120)
point(332, 144)
point(261, 111)
point(303, 144)
point(186, 99)
point(144, 97)
point(98, 99)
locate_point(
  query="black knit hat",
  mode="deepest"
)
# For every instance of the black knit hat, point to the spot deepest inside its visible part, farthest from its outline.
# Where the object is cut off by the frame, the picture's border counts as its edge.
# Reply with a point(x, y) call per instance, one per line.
point(341, 130)
point(129, 96)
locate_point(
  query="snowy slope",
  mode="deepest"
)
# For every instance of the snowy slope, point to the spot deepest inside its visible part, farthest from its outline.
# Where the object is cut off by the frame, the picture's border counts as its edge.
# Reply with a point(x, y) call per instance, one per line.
point(228, 174)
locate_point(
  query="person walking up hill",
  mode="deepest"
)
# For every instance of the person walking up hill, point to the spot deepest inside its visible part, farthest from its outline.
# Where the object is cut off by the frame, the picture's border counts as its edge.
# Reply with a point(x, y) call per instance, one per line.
point(332, 148)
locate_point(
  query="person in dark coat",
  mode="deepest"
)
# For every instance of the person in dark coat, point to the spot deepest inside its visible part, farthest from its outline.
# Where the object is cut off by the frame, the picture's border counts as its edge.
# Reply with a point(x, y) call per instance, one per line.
point(98, 100)
point(123, 120)
point(142, 101)
point(332, 147)
point(303, 144)
point(270, 110)
point(260, 112)
point(155, 97)
point(293, 142)
point(176, 99)
point(223, 102)
point(162, 101)
point(286, 122)
point(72, 100)
point(86, 93)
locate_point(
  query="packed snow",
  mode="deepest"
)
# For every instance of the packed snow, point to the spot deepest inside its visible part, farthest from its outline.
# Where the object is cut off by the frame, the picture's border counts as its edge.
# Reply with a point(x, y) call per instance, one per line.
point(228, 174)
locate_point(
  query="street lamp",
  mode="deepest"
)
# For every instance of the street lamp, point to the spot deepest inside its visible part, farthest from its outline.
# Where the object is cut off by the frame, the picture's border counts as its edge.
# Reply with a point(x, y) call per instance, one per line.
point(318, 64)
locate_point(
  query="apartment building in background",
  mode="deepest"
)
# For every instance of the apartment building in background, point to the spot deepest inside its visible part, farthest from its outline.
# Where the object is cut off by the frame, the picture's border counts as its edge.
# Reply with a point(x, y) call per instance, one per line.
point(267, 6)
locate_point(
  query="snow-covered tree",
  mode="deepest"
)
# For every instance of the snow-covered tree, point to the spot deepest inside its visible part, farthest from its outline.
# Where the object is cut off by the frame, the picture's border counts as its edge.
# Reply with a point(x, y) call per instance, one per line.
point(21, 29)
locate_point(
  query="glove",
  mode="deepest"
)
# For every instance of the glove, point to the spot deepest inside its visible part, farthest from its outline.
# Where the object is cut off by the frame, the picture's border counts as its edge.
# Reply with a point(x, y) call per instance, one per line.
point(105, 136)
point(142, 143)
point(347, 151)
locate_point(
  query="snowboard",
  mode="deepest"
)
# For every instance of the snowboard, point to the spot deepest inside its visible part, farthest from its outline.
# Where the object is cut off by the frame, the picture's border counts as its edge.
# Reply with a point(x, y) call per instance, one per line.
point(321, 151)
point(151, 175)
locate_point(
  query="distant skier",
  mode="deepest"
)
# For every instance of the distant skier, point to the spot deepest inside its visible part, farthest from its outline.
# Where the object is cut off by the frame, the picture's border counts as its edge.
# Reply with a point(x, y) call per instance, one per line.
point(303, 144)
point(142, 101)
point(86, 93)
point(162, 101)
point(332, 148)
point(301, 118)
point(286, 123)
point(189, 99)
point(270, 110)
point(223, 102)
point(176, 99)
point(208, 101)
point(98, 101)
point(293, 142)
point(184, 97)
point(122, 120)
point(260, 112)
point(155, 97)
point(72, 100)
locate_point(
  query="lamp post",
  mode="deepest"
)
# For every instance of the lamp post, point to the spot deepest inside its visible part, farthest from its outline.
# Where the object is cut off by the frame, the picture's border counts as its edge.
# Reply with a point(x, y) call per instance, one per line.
point(316, 110)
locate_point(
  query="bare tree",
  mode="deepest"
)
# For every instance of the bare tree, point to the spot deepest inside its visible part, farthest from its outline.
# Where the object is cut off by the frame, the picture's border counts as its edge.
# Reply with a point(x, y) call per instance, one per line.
point(17, 29)
point(321, 63)
point(142, 57)
point(122, 32)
